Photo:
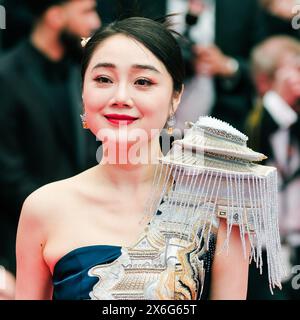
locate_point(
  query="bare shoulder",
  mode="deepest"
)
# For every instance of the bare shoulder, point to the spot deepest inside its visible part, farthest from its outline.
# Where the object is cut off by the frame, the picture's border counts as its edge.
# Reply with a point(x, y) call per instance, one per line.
point(40, 211)
point(44, 200)
point(50, 200)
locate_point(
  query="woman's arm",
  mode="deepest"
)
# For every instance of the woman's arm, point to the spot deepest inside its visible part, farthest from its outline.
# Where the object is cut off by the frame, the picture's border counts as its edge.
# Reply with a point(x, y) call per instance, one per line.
point(230, 272)
point(33, 275)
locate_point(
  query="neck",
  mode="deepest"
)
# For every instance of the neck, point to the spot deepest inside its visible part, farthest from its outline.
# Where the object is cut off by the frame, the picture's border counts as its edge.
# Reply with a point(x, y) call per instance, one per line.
point(130, 174)
point(47, 41)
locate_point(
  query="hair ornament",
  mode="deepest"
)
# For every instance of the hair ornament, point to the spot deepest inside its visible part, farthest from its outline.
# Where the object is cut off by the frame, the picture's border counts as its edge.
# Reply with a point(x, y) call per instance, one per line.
point(84, 41)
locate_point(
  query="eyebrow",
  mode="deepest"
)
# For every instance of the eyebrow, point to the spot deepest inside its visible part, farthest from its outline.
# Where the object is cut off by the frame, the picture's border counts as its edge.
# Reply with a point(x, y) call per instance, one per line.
point(135, 66)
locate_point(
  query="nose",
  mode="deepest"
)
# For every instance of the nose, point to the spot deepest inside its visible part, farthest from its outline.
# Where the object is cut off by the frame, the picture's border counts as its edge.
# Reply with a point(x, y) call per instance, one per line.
point(94, 22)
point(122, 96)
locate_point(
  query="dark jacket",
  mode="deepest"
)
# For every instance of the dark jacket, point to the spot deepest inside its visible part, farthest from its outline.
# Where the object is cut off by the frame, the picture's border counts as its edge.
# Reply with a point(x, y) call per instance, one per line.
point(38, 143)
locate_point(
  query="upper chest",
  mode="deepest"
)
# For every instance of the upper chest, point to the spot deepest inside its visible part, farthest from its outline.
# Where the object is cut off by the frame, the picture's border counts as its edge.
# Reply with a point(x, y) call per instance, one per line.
point(111, 222)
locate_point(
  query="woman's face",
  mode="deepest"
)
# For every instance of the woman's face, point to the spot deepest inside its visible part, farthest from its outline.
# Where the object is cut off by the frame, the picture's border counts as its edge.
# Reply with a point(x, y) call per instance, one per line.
point(127, 90)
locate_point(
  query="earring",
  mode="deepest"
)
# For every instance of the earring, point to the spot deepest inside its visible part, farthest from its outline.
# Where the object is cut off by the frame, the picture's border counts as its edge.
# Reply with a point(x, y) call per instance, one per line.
point(84, 122)
point(171, 123)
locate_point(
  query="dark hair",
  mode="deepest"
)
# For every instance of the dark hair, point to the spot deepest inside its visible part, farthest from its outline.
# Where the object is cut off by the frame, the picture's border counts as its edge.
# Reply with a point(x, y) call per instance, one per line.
point(37, 8)
point(154, 35)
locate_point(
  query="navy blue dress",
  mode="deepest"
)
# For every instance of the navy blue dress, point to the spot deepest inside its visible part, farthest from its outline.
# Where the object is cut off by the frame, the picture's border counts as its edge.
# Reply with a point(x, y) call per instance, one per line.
point(70, 275)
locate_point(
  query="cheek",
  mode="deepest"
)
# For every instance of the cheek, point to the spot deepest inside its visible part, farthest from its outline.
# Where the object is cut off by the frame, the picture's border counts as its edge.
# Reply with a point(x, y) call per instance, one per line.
point(94, 99)
point(77, 24)
point(73, 25)
point(94, 102)
point(94, 123)
point(156, 108)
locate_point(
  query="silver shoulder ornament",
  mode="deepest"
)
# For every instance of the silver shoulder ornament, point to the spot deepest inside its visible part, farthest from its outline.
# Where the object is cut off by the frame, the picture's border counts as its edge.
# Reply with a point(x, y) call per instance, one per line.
point(210, 174)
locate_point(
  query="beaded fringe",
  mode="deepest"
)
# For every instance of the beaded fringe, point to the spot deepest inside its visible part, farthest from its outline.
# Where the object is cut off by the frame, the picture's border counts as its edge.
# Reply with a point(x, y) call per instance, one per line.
point(189, 193)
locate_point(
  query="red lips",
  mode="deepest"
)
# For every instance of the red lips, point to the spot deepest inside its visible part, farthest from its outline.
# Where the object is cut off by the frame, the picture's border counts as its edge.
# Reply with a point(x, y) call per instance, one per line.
point(120, 118)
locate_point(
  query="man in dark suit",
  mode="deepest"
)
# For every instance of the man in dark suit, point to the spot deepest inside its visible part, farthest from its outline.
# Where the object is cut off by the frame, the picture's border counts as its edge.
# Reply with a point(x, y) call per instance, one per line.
point(222, 33)
point(273, 128)
point(41, 135)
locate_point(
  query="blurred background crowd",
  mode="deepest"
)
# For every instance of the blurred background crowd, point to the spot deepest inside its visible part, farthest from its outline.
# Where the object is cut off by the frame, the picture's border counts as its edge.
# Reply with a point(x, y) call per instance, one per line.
point(242, 66)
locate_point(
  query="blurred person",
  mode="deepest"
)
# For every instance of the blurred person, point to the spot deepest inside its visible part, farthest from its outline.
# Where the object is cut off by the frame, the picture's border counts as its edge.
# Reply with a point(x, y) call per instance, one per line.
point(40, 109)
point(280, 17)
point(274, 129)
point(17, 14)
point(221, 34)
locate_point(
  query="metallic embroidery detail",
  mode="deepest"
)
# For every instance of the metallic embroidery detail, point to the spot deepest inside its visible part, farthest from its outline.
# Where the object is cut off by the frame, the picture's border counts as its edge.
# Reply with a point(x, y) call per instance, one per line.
point(162, 265)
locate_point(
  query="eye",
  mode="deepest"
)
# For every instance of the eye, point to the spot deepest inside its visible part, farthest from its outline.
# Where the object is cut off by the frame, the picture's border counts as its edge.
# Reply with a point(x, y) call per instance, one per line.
point(144, 82)
point(102, 79)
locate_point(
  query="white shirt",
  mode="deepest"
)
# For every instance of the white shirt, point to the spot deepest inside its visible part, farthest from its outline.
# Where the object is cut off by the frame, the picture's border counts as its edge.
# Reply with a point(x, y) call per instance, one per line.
point(284, 116)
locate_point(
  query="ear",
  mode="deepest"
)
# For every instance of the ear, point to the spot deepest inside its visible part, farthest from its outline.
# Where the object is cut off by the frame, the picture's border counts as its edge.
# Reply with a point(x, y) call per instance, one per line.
point(176, 99)
point(55, 17)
